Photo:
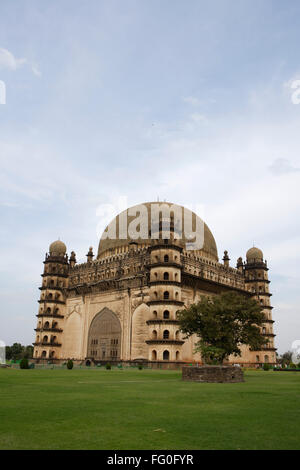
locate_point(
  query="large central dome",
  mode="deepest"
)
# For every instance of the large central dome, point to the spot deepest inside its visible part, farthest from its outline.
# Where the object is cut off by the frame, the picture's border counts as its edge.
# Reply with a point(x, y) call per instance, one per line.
point(117, 238)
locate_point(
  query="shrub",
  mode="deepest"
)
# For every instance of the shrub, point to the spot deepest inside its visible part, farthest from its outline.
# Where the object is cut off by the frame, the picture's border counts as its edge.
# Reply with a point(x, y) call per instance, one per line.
point(24, 363)
point(140, 366)
point(266, 366)
point(292, 365)
point(108, 366)
point(298, 365)
point(70, 364)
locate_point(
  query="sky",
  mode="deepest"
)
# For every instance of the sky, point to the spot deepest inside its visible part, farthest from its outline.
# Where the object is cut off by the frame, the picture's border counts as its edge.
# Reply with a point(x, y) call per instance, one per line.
point(113, 101)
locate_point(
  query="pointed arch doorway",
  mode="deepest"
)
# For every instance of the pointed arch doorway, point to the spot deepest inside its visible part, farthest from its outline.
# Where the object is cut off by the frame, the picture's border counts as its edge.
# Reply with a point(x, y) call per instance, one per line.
point(104, 340)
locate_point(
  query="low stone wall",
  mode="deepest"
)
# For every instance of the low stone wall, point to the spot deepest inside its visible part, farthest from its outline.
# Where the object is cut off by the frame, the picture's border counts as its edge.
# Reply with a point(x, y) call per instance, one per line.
point(217, 374)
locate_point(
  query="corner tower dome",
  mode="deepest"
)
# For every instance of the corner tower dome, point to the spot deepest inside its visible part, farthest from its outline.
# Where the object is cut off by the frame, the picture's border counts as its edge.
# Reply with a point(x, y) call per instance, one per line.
point(120, 243)
point(57, 248)
point(254, 254)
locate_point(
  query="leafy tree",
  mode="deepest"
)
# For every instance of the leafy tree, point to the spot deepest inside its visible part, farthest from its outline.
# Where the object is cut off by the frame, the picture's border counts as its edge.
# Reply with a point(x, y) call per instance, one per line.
point(223, 323)
point(27, 351)
point(16, 351)
point(286, 358)
point(8, 353)
point(24, 363)
point(70, 364)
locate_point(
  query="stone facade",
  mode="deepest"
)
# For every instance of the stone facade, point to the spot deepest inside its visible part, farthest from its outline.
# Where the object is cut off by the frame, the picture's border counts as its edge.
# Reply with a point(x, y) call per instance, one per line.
point(122, 305)
point(215, 374)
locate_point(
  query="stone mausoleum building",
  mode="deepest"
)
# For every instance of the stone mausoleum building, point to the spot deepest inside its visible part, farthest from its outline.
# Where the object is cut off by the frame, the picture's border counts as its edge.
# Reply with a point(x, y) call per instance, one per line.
point(121, 305)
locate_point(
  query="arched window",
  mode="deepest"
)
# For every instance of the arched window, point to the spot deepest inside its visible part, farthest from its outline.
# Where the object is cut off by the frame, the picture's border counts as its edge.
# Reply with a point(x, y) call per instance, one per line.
point(166, 258)
point(46, 325)
point(166, 276)
point(44, 353)
point(176, 296)
point(166, 355)
point(166, 334)
point(166, 314)
point(155, 295)
point(177, 334)
point(257, 358)
point(154, 334)
point(176, 276)
point(154, 355)
point(177, 355)
point(155, 314)
point(264, 330)
point(155, 275)
point(45, 339)
point(166, 295)
point(266, 359)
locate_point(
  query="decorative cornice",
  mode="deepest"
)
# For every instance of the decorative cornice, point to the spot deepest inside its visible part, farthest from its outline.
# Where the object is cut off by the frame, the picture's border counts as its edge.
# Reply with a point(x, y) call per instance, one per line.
point(165, 341)
point(165, 302)
point(165, 283)
point(167, 246)
point(168, 264)
point(55, 275)
point(60, 289)
point(55, 330)
point(50, 315)
point(162, 321)
point(51, 301)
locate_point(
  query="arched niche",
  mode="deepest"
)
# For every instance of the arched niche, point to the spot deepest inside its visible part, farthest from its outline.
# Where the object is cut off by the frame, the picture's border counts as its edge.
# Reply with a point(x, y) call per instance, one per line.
point(72, 336)
point(140, 333)
point(104, 340)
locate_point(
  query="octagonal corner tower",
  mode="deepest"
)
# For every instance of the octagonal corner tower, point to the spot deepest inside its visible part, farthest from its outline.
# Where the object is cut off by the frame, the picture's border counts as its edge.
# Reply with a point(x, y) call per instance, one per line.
point(142, 223)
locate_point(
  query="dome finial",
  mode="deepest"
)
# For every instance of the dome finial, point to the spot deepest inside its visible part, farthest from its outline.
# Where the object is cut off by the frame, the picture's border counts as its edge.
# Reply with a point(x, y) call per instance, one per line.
point(254, 255)
point(57, 248)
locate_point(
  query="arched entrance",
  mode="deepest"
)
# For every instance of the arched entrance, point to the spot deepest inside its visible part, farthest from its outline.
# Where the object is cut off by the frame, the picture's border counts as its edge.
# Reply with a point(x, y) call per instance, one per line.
point(104, 341)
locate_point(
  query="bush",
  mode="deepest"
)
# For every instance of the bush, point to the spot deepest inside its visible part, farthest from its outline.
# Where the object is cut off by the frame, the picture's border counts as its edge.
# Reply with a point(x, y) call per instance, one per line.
point(292, 365)
point(298, 365)
point(266, 366)
point(140, 367)
point(24, 363)
point(108, 366)
point(70, 364)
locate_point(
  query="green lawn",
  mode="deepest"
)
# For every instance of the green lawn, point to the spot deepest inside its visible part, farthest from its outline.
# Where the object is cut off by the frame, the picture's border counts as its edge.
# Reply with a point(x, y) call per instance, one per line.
point(132, 409)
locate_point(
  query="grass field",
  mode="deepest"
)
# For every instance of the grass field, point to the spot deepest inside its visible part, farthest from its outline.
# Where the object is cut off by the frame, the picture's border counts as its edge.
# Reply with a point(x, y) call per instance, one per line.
point(132, 409)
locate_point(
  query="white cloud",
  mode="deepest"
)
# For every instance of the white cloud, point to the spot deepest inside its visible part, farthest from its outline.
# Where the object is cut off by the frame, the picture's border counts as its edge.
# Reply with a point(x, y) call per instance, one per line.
point(281, 166)
point(10, 62)
point(192, 100)
point(35, 69)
